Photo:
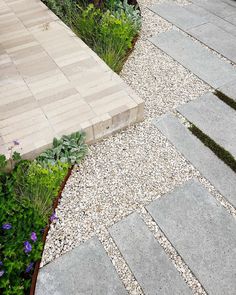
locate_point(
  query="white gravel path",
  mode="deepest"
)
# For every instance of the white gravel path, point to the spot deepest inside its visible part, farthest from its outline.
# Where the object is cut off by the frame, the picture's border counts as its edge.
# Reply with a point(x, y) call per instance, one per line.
point(126, 171)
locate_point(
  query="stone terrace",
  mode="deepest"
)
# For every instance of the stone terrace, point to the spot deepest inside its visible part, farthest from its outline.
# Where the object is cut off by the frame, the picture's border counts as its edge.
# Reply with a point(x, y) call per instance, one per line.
point(52, 84)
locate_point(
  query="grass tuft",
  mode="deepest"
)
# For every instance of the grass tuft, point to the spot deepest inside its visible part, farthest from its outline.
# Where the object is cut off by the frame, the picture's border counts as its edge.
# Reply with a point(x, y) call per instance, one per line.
point(228, 100)
point(221, 153)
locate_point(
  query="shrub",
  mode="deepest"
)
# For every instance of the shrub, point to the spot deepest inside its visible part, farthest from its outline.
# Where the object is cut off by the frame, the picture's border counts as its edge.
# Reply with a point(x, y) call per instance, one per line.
point(26, 197)
point(108, 28)
point(110, 35)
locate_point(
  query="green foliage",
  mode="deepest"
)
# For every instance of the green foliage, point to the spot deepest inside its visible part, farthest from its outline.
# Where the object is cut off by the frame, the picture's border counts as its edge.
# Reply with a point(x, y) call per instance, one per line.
point(3, 162)
point(26, 196)
point(109, 29)
point(69, 149)
point(64, 9)
point(36, 185)
point(109, 34)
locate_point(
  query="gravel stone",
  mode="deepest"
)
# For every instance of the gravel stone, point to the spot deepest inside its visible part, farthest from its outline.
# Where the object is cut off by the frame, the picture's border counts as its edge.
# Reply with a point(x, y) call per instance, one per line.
point(128, 170)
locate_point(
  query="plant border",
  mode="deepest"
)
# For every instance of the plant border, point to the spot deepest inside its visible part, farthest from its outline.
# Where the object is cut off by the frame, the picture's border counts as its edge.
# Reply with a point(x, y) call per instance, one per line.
point(55, 204)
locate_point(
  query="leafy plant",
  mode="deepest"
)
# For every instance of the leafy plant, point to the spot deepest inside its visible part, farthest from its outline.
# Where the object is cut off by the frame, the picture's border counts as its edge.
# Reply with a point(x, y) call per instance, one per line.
point(69, 149)
point(27, 193)
point(108, 27)
point(109, 34)
point(38, 185)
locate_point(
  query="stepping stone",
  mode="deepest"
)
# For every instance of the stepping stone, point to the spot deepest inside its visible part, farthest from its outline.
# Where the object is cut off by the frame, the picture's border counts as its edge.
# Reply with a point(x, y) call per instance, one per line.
point(229, 90)
point(212, 18)
point(196, 25)
point(85, 270)
point(216, 7)
point(232, 19)
point(202, 232)
point(217, 172)
point(207, 66)
point(147, 260)
point(230, 2)
point(178, 15)
point(217, 39)
point(215, 118)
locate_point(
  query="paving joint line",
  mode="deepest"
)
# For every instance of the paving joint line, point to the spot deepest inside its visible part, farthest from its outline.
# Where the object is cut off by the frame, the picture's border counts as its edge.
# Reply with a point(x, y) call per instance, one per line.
point(116, 256)
point(216, 194)
point(184, 270)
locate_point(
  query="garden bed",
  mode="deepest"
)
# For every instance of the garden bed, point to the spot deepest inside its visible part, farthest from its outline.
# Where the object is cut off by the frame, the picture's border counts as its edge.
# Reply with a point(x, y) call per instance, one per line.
point(29, 194)
point(108, 27)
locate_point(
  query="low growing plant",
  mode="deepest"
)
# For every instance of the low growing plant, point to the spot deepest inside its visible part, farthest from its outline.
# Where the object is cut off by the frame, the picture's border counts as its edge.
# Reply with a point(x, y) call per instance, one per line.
point(109, 27)
point(26, 196)
point(69, 149)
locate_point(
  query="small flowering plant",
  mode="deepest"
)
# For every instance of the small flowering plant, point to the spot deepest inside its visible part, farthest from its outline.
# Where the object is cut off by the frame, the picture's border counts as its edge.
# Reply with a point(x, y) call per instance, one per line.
point(27, 192)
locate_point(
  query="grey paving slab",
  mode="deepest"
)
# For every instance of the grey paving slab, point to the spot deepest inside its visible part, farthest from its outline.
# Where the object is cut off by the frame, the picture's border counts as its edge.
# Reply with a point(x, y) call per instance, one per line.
point(178, 15)
point(217, 7)
point(232, 18)
point(146, 258)
point(229, 90)
point(230, 2)
point(203, 233)
point(212, 18)
point(210, 166)
point(215, 118)
point(207, 66)
point(216, 38)
point(85, 270)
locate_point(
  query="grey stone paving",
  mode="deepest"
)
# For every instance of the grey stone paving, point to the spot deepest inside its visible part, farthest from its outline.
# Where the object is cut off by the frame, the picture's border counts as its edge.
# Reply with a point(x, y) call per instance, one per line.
point(231, 19)
point(229, 90)
point(214, 118)
point(203, 233)
point(178, 15)
point(146, 258)
point(85, 270)
point(217, 39)
point(208, 67)
point(218, 7)
point(212, 18)
point(230, 2)
point(211, 167)
point(211, 30)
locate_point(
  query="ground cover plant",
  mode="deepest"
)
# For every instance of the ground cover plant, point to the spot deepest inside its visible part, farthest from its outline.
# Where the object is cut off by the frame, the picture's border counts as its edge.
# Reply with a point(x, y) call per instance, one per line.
point(27, 192)
point(109, 27)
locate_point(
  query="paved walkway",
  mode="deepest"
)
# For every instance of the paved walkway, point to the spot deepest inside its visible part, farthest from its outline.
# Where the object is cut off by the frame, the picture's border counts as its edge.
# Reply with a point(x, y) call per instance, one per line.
point(200, 229)
point(202, 232)
point(52, 84)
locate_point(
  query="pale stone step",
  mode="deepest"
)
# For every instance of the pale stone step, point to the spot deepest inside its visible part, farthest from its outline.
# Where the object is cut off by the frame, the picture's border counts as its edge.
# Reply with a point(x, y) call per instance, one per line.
point(202, 232)
point(146, 258)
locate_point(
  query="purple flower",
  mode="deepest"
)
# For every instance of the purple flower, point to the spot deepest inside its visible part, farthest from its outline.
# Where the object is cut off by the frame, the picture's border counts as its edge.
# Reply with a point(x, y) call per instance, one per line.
point(6, 226)
point(1, 273)
point(29, 267)
point(53, 217)
point(16, 142)
point(1, 263)
point(27, 247)
point(33, 236)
